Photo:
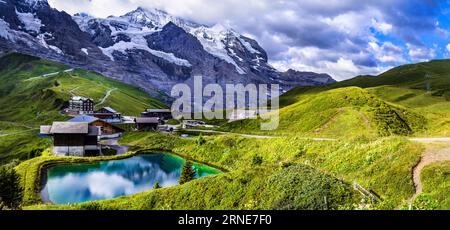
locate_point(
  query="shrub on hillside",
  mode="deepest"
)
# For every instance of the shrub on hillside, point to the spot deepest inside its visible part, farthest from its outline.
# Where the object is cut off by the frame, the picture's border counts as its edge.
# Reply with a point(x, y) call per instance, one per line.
point(257, 160)
point(301, 187)
point(10, 190)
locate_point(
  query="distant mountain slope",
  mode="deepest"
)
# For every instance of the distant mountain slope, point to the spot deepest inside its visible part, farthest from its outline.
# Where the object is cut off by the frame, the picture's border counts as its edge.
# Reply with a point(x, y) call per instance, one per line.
point(146, 47)
point(27, 100)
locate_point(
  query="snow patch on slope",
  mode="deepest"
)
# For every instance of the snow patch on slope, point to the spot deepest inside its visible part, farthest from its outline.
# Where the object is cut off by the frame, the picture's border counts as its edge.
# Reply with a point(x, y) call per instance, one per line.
point(34, 2)
point(4, 29)
point(142, 22)
point(124, 46)
point(248, 46)
point(30, 21)
point(136, 32)
point(42, 40)
point(84, 50)
point(212, 40)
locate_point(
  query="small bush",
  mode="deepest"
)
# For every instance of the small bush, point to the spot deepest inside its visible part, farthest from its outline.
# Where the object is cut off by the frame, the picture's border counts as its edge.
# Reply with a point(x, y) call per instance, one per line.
point(200, 140)
point(156, 185)
point(257, 160)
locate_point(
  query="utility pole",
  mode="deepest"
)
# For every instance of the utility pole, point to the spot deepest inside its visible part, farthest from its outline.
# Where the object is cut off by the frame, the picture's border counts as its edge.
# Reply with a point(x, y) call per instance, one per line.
point(428, 83)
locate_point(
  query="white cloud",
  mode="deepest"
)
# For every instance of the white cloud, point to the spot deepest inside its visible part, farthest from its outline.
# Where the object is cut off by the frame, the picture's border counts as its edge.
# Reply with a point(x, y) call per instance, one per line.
point(382, 27)
point(420, 53)
point(387, 52)
point(448, 47)
point(324, 61)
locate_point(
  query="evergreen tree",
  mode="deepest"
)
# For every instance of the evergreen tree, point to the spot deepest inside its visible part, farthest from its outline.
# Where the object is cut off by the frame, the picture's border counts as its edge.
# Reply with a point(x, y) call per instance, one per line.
point(187, 173)
point(156, 185)
point(10, 190)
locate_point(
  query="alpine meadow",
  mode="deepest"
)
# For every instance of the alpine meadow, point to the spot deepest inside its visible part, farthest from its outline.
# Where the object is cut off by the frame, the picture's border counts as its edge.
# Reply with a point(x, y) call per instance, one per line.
point(87, 120)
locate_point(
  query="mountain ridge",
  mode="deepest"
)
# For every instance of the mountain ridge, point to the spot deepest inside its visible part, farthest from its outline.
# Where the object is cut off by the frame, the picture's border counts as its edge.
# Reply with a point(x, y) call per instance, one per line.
point(128, 47)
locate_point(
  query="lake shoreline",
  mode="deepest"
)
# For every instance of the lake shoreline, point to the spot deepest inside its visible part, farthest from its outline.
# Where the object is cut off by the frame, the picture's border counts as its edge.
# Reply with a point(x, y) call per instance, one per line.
point(139, 171)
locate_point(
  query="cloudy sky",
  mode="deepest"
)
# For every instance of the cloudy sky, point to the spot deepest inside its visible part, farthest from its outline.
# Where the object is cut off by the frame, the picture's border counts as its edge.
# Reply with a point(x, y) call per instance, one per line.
point(344, 38)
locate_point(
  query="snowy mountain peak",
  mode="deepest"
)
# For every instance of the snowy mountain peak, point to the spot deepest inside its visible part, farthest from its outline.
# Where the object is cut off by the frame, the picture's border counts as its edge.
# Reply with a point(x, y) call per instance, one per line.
point(145, 47)
point(35, 3)
point(155, 18)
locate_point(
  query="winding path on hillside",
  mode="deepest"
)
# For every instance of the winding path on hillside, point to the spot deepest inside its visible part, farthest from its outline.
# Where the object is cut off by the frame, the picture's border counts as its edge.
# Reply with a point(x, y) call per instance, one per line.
point(56, 73)
point(430, 139)
point(431, 155)
point(255, 136)
point(106, 97)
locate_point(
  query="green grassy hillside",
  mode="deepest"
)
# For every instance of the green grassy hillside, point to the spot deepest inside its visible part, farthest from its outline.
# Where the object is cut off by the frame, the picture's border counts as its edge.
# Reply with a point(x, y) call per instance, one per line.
point(27, 100)
point(407, 100)
point(343, 112)
point(283, 173)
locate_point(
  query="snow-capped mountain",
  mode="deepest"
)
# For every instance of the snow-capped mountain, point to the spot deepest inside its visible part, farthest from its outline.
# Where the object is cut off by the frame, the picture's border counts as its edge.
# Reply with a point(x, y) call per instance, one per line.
point(146, 47)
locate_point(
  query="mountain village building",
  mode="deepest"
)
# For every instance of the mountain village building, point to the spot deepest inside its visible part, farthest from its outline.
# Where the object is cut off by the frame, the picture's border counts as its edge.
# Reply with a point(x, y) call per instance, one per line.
point(107, 129)
point(163, 114)
point(108, 114)
point(147, 124)
point(73, 138)
point(81, 105)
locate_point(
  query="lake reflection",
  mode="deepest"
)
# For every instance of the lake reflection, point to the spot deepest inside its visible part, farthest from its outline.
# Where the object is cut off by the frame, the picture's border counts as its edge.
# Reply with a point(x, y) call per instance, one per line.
point(105, 180)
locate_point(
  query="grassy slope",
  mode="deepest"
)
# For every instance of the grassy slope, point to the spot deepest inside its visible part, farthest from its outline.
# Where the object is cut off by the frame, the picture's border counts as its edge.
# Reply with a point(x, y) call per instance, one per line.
point(343, 112)
point(403, 89)
point(28, 100)
point(282, 178)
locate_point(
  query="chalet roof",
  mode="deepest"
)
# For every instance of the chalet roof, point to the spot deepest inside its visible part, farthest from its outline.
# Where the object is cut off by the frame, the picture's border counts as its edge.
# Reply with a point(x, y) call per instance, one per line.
point(147, 120)
point(158, 111)
point(109, 109)
point(84, 118)
point(70, 128)
point(45, 129)
point(78, 98)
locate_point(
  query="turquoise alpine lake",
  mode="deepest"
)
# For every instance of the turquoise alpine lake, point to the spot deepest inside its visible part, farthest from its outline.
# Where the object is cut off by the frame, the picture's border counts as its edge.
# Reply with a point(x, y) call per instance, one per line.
point(68, 184)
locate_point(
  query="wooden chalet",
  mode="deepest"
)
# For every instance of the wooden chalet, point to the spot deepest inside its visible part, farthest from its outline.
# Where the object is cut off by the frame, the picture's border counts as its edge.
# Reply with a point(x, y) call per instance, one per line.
point(163, 114)
point(108, 114)
point(73, 138)
point(108, 130)
point(147, 124)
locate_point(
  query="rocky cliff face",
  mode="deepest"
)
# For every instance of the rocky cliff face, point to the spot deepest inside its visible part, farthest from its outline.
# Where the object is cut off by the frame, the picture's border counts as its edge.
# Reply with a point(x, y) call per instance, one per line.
point(147, 48)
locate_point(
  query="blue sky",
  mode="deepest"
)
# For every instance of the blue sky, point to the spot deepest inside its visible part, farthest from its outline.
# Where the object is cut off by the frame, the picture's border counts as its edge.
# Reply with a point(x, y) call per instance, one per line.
point(343, 38)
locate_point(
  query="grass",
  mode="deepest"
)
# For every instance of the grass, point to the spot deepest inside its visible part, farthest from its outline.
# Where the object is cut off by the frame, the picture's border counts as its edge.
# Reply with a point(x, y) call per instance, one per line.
point(436, 187)
point(21, 145)
point(343, 112)
point(240, 190)
point(382, 165)
point(285, 173)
